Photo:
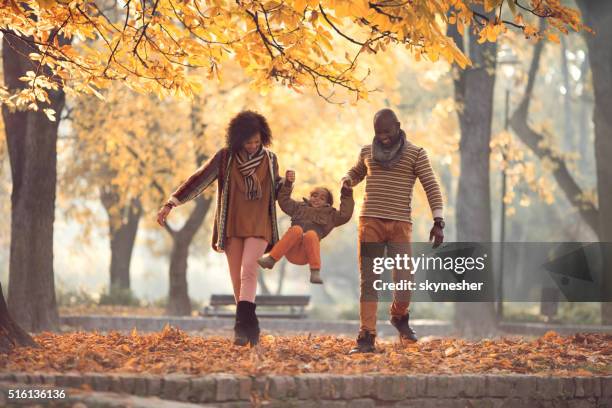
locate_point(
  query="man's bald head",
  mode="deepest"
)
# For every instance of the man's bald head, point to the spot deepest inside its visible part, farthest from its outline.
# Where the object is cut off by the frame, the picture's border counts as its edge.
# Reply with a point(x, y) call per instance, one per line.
point(385, 115)
point(386, 126)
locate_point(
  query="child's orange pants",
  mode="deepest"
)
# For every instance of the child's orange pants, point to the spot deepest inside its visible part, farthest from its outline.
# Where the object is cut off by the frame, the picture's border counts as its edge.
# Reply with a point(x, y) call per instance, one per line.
point(299, 247)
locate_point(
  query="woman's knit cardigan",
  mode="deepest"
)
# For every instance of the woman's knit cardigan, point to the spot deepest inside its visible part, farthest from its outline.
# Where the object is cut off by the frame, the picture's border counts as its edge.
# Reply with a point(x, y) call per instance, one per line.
point(218, 168)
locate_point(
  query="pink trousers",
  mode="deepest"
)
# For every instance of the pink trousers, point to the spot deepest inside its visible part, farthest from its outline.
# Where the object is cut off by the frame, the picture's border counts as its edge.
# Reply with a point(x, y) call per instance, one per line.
point(242, 255)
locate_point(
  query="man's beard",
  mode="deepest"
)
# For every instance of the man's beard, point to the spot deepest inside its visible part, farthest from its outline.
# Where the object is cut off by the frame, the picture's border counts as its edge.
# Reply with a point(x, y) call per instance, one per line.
point(388, 155)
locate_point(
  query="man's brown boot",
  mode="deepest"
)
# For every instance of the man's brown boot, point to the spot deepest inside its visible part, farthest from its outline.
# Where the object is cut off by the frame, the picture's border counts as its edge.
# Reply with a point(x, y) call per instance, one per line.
point(403, 327)
point(365, 343)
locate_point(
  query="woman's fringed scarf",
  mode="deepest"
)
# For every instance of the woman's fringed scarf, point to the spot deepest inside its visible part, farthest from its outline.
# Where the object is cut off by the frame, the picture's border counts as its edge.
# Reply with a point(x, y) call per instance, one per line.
point(247, 168)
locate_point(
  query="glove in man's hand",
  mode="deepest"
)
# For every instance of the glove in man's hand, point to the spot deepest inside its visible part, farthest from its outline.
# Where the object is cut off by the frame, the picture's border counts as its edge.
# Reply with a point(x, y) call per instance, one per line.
point(437, 233)
point(346, 182)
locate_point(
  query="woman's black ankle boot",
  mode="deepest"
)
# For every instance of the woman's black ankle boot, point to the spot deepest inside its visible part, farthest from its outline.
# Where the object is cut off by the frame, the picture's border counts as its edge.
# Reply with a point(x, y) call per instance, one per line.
point(253, 331)
point(241, 337)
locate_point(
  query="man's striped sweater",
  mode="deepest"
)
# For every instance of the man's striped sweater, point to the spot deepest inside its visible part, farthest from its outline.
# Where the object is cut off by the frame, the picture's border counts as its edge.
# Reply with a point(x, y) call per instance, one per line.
point(388, 193)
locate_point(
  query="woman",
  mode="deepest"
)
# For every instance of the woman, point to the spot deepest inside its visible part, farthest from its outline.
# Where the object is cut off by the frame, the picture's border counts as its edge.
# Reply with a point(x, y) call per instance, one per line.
point(245, 224)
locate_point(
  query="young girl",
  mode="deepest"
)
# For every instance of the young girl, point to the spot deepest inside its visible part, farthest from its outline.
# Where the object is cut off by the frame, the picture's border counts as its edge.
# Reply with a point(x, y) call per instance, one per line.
point(311, 221)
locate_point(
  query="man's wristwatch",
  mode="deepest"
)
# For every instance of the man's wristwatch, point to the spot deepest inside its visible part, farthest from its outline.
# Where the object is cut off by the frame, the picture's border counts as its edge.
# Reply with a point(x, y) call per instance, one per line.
point(439, 222)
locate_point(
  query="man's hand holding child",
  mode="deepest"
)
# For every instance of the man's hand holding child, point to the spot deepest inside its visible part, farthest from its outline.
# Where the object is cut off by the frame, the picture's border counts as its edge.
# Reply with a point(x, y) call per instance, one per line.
point(346, 182)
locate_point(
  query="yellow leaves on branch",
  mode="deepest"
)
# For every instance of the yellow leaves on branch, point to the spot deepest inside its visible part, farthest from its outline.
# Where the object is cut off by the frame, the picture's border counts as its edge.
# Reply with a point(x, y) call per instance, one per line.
point(156, 46)
point(490, 32)
point(553, 37)
point(490, 5)
point(130, 141)
point(521, 171)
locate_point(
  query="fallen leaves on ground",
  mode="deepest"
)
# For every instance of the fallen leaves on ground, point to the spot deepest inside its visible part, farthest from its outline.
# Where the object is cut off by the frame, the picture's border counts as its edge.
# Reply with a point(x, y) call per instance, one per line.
point(174, 351)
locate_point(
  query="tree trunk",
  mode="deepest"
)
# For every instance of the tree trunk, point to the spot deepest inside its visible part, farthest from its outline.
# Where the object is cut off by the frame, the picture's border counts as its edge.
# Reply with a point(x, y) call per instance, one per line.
point(31, 140)
point(474, 88)
point(533, 140)
point(446, 178)
point(123, 226)
point(11, 335)
point(598, 15)
point(122, 247)
point(178, 296)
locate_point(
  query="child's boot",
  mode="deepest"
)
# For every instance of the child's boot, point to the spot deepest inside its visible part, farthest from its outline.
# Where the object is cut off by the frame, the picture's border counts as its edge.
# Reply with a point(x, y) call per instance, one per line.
point(266, 262)
point(315, 276)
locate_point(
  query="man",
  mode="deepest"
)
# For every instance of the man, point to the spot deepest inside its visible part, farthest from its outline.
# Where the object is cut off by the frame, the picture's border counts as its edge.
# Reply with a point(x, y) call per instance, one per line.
point(390, 165)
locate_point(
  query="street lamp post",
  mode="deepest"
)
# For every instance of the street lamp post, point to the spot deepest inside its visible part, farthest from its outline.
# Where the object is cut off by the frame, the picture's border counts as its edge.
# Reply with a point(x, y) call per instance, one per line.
point(507, 60)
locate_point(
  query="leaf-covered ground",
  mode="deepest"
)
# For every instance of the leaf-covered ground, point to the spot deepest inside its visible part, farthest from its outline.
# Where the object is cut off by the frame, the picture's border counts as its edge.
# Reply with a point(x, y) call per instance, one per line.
point(172, 350)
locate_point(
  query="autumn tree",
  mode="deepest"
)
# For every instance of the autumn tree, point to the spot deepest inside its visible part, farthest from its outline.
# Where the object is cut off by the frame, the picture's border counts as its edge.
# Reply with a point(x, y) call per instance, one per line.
point(31, 140)
point(302, 43)
point(543, 148)
point(128, 148)
point(473, 88)
point(598, 16)
point(103, 162)
point(178, 293)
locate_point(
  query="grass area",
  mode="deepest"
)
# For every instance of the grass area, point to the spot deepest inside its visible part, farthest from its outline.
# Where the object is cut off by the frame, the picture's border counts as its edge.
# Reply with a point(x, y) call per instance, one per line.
point(111, 310)
point(117, 302)
point(567, 313)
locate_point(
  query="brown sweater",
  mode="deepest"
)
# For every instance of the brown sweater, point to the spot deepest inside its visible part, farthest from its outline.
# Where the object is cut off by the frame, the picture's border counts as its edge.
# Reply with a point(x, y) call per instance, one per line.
point(388, 193)
point(322, 219)
point(249, 218)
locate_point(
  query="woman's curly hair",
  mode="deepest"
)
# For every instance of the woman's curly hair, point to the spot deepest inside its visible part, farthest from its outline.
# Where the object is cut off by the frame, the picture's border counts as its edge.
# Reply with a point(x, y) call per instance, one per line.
point(243, 126)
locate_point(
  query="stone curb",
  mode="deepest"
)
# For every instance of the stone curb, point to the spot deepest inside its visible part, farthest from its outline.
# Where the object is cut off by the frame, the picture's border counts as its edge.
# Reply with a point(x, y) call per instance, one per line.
point(358, 390)
point(80, 398)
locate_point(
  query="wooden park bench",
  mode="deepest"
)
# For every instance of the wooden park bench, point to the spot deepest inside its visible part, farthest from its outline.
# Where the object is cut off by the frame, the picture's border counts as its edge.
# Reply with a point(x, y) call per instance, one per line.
point(293, 306)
